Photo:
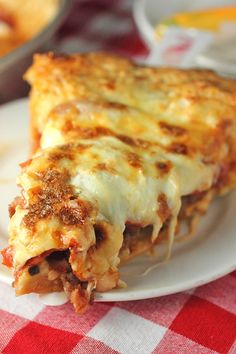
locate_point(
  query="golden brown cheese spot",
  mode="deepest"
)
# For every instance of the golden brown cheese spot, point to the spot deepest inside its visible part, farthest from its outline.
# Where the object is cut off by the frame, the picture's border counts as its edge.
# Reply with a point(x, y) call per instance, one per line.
point(100, 131)
point(57, 237)
point(115, 106)
point(110, 85)
point(133, 159)
point(75, 216)
point(163, 210)
point(48, 199)
point(55, 156)
point(71, 146)
point(67, 151)
point(86, 132)
point(126, 139)
point(134, 142)
point(144, 144)
point(179, 148)
point(163, 167)
point(173, 130)
point(67, 126)
point(101, 166)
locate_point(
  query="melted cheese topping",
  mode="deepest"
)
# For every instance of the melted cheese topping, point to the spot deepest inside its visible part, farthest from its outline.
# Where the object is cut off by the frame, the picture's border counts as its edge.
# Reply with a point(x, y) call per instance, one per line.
point(177, 95)
point(118, 174)
point(199, 99)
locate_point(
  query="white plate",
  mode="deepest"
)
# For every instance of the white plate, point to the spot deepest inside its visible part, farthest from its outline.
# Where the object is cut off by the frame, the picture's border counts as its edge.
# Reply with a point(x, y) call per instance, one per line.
point(210, 254)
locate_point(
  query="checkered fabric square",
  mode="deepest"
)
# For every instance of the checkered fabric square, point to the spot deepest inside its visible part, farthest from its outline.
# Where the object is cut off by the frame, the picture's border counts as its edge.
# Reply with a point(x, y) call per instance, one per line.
point(202, 321)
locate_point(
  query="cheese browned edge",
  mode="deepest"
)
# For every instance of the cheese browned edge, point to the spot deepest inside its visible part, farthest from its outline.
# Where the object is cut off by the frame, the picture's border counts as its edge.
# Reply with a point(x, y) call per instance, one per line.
point(119, 149)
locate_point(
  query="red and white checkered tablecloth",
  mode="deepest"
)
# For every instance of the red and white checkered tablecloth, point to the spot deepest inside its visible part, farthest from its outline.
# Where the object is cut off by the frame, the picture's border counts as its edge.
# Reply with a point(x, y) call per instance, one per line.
point(199, 321)
point(202, 321)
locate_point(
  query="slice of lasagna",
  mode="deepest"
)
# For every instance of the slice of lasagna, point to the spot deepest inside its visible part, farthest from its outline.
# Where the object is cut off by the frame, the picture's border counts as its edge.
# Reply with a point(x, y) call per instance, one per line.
point(123, 156)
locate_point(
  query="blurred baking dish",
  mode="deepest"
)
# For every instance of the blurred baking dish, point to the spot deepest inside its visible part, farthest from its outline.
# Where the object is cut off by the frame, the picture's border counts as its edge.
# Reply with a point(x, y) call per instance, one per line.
point(24, 27)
